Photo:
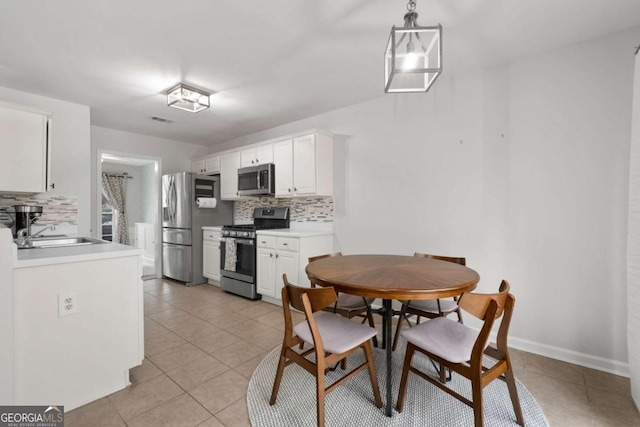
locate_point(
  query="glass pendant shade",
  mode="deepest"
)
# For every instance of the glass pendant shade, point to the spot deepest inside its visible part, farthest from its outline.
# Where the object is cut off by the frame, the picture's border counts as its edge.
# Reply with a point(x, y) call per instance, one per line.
point(413, 58)
point(187, 98)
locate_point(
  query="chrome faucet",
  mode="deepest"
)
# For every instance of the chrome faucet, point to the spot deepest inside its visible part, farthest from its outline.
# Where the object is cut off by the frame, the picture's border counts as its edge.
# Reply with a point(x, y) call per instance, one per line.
point(24, 237)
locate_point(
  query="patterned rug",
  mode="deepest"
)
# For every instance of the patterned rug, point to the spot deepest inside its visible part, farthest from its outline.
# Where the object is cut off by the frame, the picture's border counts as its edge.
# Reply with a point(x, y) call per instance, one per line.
point(352, 402)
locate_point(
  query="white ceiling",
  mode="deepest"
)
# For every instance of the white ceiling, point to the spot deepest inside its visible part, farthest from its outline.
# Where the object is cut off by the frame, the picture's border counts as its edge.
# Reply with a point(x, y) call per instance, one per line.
point(270, 62)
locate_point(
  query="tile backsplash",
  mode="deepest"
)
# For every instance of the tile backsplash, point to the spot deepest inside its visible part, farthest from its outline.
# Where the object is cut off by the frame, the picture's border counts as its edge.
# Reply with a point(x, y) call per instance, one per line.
point(302, 209)
point(56, 210)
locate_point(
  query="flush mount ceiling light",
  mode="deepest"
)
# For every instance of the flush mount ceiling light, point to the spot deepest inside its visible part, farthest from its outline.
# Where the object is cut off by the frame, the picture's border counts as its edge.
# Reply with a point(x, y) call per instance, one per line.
point(188, 98)
point(413, 59)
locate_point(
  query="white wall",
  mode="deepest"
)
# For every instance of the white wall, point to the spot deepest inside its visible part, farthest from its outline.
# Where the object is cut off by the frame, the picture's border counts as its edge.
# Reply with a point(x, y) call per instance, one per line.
point(522, 169)
point(633, 249)
point(175, 156)
point(70, 148)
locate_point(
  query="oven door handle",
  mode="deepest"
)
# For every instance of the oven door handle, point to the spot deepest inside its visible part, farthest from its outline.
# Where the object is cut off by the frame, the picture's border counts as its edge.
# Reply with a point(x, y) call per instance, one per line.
point(240, 241)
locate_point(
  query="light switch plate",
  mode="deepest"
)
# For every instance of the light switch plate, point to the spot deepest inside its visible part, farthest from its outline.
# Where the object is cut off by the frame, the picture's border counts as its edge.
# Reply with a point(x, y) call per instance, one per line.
point(67, 303)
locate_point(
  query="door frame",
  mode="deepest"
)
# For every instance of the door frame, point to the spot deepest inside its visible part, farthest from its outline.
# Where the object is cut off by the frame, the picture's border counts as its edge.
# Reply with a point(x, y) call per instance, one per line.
point(158, 179)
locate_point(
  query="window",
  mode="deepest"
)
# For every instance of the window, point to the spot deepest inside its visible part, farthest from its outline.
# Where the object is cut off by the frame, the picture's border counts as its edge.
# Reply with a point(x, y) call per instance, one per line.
point(107, 220)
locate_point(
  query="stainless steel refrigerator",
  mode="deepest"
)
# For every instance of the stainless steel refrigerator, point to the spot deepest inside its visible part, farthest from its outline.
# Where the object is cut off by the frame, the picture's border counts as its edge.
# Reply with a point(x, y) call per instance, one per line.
point(182, 222)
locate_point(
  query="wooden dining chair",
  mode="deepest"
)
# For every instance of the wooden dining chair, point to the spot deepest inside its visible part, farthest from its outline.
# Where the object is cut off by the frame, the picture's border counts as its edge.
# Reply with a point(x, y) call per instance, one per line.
point(347, 305)
point(332, 336)
point(461, 348)
point(430, 308)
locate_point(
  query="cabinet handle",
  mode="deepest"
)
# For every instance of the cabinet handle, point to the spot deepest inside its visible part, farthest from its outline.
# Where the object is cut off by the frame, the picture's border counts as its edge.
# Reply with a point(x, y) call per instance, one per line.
point(295, 189)
point(284, 244)
point(257, 161)
point(53, 185)
point(277, 256)
point(263, 242)
point(270, 255)
point(289, 190)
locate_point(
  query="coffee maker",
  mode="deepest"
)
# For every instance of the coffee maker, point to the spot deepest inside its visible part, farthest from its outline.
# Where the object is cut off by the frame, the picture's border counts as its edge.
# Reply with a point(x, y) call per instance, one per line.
point(25, 217)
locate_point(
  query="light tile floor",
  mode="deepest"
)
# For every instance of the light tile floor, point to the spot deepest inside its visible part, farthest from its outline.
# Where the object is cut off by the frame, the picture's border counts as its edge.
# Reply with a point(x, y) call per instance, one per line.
point(202, 345)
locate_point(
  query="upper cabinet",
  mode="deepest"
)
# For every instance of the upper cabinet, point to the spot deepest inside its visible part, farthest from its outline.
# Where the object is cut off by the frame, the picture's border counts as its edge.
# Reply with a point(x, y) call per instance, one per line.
point(208, 166)
point(256, 156)
point(25, 148)
point(304, 166)
point(229, 165)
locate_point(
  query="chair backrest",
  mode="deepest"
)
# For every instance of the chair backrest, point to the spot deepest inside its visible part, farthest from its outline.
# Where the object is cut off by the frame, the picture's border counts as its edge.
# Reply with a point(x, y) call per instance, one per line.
point(315, 258)
point(457, 260)
point(488, 308)
point(319, 298)
point(478, 304)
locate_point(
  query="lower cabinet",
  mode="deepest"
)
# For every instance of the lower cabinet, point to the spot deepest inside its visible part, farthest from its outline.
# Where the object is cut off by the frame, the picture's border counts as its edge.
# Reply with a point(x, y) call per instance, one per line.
point(211, 254)
point(278, 255)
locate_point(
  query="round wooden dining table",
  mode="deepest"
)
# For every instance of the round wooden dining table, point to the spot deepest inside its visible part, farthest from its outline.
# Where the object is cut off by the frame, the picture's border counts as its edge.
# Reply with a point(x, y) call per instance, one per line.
point(392, 277)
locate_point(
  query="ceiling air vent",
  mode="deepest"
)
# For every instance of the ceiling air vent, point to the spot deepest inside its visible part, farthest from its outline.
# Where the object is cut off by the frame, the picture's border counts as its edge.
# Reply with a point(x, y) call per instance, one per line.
point(161, 119)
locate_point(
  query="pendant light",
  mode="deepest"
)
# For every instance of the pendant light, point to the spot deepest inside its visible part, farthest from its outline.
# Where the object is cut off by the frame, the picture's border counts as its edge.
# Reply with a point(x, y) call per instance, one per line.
point(413, 58)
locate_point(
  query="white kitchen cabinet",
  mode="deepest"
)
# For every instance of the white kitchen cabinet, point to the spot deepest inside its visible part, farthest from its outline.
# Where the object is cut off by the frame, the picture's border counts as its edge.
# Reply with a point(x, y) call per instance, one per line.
point(229, 165)
point(256, 155)
point(304, 166)
point(278, 254)
point(208, 166)
point(25, 147)
point(146, 240)
point(211, 254)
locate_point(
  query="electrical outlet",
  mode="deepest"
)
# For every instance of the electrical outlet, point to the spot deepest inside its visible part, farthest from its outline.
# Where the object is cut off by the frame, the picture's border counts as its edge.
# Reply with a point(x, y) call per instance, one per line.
point(67, 303)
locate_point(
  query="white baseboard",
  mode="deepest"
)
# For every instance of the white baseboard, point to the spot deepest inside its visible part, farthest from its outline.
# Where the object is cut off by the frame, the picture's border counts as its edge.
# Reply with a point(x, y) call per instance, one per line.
point(587, 360)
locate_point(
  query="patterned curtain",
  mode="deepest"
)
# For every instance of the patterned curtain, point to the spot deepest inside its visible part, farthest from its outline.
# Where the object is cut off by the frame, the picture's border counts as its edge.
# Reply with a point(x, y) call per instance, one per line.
point(114, 189)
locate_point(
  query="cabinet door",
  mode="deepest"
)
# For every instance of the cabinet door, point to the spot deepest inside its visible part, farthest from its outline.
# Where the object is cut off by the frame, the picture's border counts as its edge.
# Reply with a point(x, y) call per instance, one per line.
point(304, 165)
point(248, 157)
point(283, 159)
point(212, 165)
point(264, 154)
point(211, 259)
point(23, 144)
point(286, 263)
point(197, 166)
point(229, 165)
point(265, 274)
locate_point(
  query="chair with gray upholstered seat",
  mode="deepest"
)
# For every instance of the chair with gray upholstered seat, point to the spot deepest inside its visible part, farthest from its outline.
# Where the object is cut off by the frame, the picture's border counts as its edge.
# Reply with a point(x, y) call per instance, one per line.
point(461, 349)
point(332, 337)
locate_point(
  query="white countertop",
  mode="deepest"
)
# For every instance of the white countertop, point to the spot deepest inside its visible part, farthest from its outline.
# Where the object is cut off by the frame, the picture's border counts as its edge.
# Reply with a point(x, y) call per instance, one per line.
point(292, 232)
point(47, 256)
point(212, 227)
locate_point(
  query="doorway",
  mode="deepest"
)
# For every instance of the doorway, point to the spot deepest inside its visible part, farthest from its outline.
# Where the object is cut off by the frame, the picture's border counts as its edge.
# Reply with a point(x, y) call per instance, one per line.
point(142, 205)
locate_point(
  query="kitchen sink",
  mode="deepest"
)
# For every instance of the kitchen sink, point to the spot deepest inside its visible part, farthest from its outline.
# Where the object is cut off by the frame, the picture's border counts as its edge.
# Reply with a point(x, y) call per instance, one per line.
point(57, 242)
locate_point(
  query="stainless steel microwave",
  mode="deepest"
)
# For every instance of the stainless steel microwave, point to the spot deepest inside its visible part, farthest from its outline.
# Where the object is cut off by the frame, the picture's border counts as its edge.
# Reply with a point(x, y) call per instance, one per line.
point(257, 180)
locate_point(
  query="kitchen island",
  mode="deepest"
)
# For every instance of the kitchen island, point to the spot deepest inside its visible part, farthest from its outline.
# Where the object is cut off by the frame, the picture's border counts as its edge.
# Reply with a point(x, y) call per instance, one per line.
point(75, 326)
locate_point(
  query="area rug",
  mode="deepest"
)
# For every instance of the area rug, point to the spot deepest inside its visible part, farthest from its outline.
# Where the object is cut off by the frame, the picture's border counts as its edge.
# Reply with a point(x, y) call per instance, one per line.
point(352, 402)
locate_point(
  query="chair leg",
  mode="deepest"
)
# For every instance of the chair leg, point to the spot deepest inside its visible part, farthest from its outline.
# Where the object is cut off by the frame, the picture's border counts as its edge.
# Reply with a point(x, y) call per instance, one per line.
point(513, 393)
point(459, 315)
point(372, 374)
point(396, 337)
point(372, 324)
point(405, 374)
point(276, 382)
point(320, 394)
point(476, 392)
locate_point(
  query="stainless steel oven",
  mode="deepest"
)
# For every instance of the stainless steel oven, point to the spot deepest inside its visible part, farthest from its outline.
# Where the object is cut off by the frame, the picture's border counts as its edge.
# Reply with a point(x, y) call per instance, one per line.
point(238, 251)
point(244, 263)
